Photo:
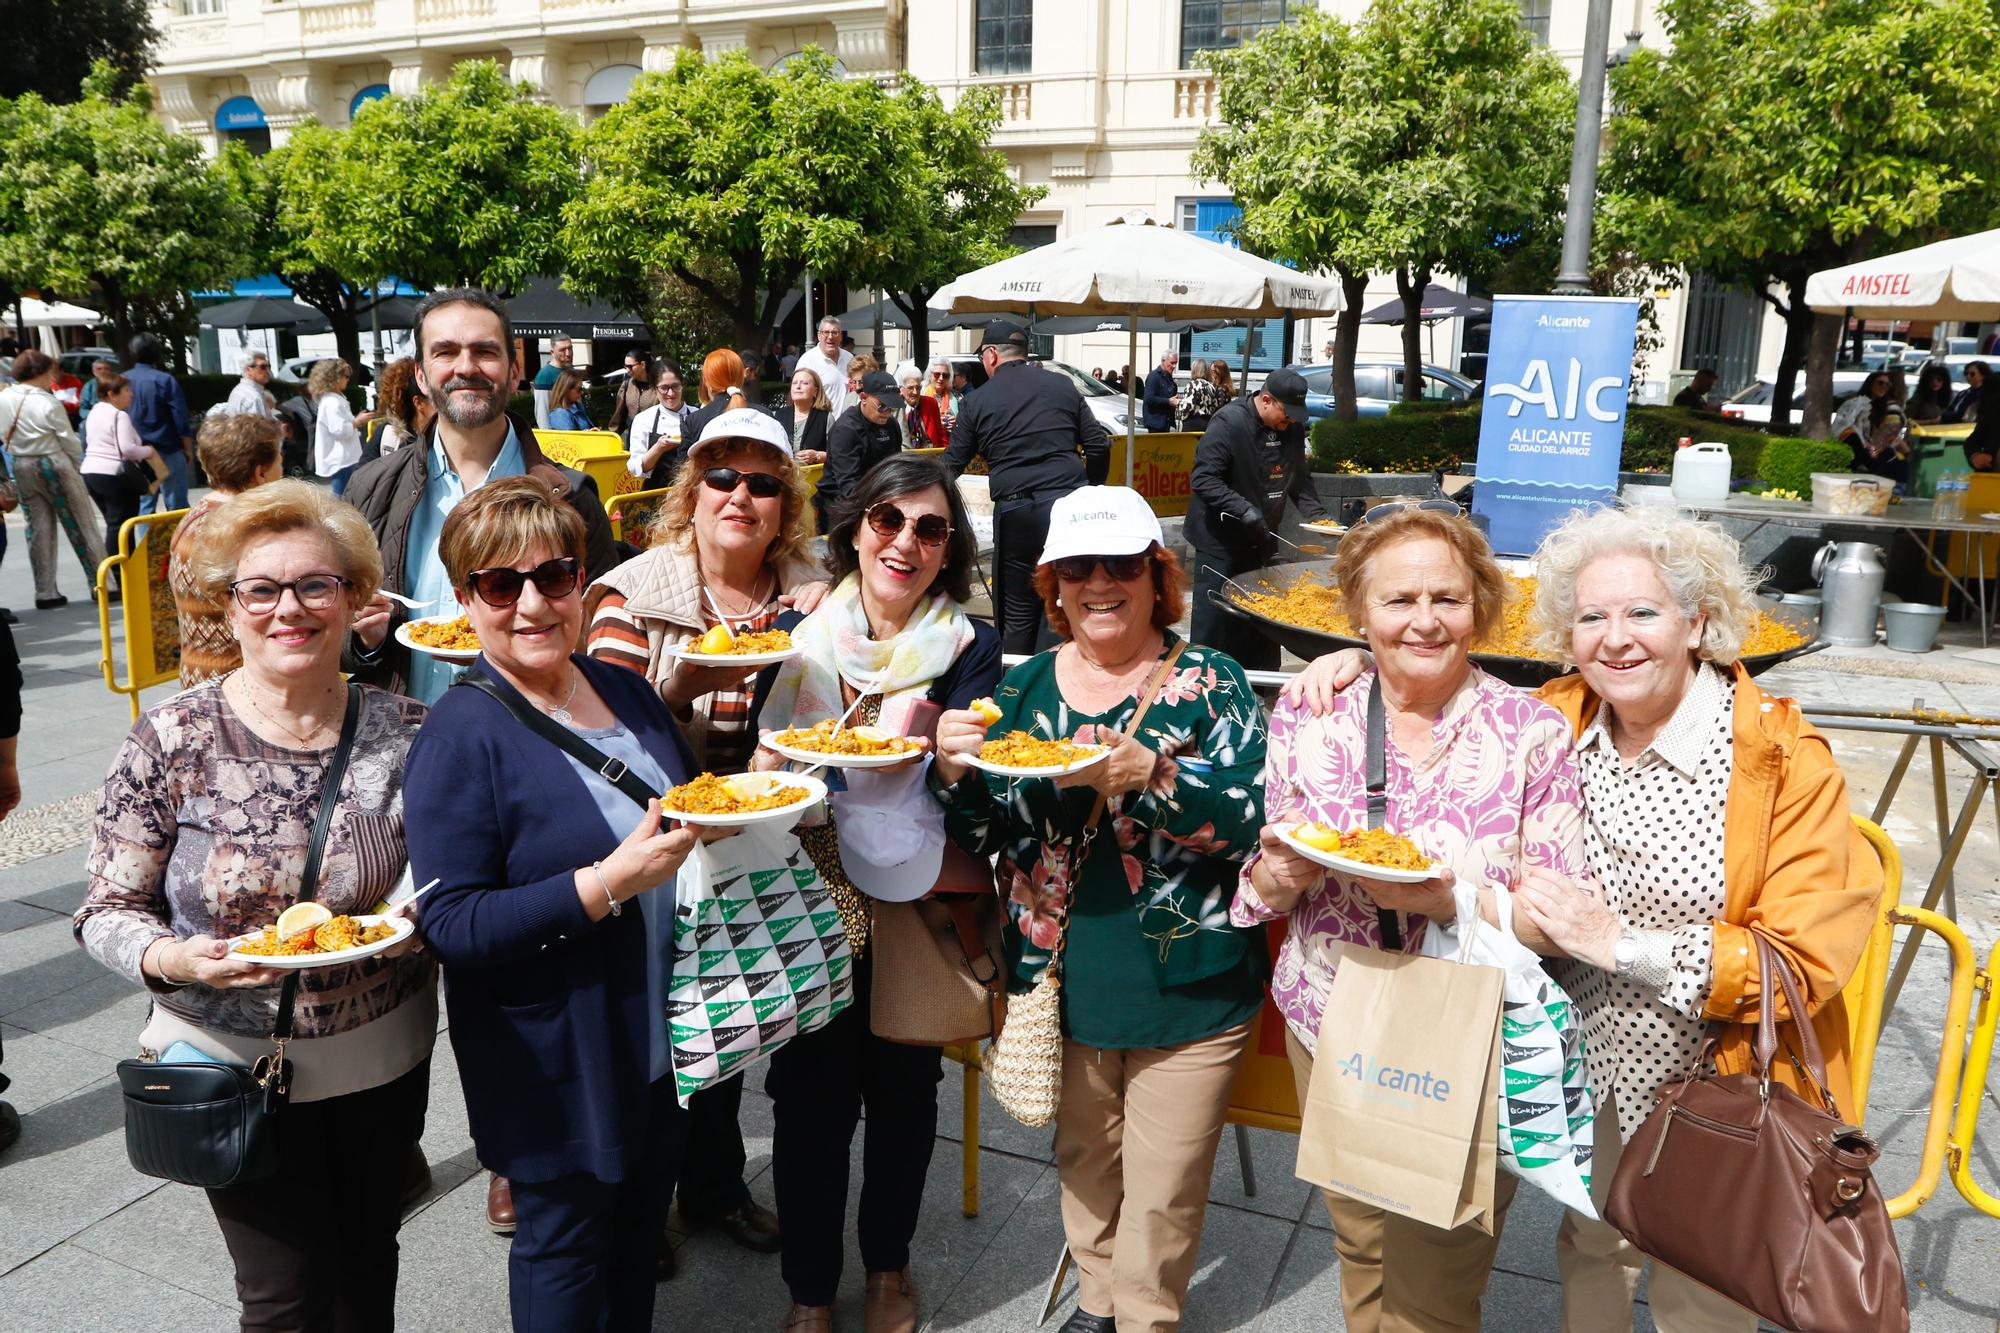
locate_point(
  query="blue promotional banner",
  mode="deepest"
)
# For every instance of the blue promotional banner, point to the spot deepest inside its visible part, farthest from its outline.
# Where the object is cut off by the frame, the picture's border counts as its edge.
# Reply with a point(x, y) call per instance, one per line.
point(1553, 426)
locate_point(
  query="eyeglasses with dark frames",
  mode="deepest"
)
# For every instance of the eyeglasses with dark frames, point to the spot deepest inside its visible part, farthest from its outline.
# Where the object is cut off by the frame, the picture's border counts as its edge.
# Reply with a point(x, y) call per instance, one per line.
point(501, 587)
point(1121, 568)
point(887, 521)
point(260, 597)
point(763, 485)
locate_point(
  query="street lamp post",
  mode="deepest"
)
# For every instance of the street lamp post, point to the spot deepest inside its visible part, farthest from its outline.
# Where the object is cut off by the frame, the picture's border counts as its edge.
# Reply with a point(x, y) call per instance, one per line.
point(1574, 277)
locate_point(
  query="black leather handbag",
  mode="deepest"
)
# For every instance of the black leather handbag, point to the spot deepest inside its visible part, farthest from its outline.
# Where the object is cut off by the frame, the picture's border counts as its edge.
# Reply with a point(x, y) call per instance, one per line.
point(213, 1124)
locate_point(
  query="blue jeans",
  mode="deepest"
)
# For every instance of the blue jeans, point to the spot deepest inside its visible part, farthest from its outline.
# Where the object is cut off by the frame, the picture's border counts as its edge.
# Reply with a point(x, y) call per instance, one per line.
point(339, 479)
point(173, 492)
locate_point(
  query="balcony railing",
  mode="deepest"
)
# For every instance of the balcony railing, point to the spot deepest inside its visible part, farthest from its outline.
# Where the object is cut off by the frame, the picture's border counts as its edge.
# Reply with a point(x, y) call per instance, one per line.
point(345, 17)
point(453, 11)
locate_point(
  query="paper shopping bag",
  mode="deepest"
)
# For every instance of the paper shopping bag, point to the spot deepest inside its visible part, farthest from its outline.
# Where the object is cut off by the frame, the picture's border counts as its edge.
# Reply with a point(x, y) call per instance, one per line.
point(1401, 1111)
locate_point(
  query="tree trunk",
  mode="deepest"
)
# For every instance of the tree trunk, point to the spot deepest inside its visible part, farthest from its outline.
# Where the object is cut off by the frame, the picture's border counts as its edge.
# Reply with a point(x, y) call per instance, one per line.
point(1346, 338)
point(1817, 420)
point(1410, 285)
point(1798, 334)
point(915, 307)
point(121, 315)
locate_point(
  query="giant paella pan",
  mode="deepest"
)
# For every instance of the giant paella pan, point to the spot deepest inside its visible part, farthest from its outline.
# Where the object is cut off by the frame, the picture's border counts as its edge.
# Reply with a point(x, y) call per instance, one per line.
point(1295, 605)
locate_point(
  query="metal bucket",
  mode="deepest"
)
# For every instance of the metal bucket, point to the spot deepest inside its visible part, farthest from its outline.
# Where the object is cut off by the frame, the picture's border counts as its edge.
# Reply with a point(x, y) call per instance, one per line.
point(1911, 627)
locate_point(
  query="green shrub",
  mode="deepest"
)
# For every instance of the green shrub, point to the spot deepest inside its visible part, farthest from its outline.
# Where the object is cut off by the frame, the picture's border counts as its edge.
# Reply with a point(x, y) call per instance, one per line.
point(1424, 437)
point(1789, 462)
point(1651, 434)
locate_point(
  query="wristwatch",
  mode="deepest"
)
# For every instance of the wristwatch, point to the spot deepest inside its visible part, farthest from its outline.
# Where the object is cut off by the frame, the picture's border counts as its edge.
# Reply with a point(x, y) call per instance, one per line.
point(1625, 953)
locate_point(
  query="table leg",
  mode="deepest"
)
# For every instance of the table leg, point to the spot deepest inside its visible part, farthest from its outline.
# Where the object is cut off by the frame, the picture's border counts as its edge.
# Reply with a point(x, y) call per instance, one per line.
point(1896, 773)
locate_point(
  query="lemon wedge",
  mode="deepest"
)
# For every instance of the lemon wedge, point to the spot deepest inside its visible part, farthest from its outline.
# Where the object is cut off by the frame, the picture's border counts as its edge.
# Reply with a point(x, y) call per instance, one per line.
point(989, 712)
point(875, 734)
point(749, 786)
point(717, 640)
point(300, 918)
point(1317, 836)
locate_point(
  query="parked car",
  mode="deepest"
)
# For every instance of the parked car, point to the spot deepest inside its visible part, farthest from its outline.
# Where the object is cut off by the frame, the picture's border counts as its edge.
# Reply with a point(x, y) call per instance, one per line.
point(77, 359)
point(1105, 403)
point(299, 369)
point(1377, 384)
point(1754, 403)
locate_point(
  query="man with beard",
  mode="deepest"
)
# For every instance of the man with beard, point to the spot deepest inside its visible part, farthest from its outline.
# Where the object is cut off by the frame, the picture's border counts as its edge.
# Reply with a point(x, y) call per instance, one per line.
point(465, 366)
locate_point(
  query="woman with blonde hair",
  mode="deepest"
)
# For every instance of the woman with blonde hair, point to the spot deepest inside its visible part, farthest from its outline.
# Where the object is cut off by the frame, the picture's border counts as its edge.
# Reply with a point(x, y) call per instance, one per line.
point(1202, 399)
point(806, 415)
point(566, 410)
point(336, 440)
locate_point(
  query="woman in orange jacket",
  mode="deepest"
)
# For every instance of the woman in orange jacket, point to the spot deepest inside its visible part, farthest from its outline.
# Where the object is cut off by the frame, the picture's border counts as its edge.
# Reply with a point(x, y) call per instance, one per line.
point(1713, 810)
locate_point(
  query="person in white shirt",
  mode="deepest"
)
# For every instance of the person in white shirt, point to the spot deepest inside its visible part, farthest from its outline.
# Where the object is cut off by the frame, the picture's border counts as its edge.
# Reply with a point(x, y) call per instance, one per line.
point(826, 360)
point(336, 442)
point(250, 398)
point(656, 431)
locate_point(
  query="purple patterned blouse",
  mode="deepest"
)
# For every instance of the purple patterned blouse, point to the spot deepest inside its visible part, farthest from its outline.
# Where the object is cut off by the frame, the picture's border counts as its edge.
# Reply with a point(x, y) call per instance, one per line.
point(1496, 794)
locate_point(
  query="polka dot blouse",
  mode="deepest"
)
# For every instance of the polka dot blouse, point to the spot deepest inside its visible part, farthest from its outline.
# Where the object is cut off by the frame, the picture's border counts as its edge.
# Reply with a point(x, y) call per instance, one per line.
point(1653, 829)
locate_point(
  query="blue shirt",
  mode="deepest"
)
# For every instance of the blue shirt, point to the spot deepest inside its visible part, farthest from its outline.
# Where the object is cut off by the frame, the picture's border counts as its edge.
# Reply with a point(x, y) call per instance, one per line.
point(656, 906)
point(569, 418)
point(424, 576)
point(159, 410)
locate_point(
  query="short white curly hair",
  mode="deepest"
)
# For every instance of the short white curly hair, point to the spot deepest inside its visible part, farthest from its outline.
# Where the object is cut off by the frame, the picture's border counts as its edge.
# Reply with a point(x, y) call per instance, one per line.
point(1701, 565)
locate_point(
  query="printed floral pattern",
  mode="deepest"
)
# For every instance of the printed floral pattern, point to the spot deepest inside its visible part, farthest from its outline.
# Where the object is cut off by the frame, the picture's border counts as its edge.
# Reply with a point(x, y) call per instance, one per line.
point(1497, 793)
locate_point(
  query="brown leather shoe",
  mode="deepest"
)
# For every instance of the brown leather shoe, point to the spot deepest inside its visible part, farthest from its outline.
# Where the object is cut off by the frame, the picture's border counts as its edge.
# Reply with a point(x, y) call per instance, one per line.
point(892, 1303)
point(500, 1205)
point(807, 1319)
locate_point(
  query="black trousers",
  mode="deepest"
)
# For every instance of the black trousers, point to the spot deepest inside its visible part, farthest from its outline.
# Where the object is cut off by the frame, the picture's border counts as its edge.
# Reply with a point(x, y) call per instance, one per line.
point(315, 1247)
point(117, 499)
point(819, 1084)
point(584, 1248)
point(712, 1162)
point(1213, 627)
point(1020, 531)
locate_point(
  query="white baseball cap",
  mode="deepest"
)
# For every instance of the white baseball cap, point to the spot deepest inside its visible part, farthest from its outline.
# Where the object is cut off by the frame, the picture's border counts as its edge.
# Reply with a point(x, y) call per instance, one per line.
point(1101, 520)
point(746, 423)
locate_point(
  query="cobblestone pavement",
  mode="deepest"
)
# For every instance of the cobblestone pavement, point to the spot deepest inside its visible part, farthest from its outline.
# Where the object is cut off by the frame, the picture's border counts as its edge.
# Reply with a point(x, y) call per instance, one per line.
point(86, 1243)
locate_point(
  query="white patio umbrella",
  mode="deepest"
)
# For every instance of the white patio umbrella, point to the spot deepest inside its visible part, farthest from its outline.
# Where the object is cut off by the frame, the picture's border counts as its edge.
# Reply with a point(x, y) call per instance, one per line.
point(1136, 268)
point(1955, 279)
point(35, 314)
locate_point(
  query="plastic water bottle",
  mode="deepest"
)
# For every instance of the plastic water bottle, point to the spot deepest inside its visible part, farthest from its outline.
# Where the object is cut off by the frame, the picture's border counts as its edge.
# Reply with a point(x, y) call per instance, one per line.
point(1951, 495)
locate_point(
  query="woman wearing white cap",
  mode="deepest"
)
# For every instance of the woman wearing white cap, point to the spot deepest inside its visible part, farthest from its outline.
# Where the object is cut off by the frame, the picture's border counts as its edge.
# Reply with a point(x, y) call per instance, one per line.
point(729, 548)
point(891, 643)
point(1159, 989)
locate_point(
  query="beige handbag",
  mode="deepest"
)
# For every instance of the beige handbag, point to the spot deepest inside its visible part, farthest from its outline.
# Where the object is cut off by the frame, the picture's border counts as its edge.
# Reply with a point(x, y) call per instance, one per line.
point(1024, 1063)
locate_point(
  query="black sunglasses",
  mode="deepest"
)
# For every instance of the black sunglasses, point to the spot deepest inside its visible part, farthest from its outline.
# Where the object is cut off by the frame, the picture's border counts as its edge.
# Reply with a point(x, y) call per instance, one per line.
point(1121, 568)
point(1382, 511)
point(763, 485)
point(554, 579)
point(887, 521)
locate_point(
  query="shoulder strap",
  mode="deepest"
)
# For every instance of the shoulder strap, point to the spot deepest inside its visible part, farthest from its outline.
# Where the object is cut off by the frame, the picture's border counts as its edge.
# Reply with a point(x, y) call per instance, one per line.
point(329, 798)
point(612, 769)
point(1378, 797)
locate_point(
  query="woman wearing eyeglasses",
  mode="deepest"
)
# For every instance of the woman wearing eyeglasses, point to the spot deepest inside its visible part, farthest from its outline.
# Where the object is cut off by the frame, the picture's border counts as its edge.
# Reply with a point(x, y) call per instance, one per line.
point(201, 836)
point(1126, 867)
point(556, 974)
point(891, 643)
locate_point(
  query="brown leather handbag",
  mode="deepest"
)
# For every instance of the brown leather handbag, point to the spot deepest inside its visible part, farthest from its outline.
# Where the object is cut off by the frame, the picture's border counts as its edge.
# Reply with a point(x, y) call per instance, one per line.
point(1762, 1194)
point(940, 970)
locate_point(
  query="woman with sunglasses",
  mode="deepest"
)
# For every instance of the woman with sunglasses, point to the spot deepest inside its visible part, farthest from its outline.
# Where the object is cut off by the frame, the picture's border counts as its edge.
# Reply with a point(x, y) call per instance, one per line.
point(557, 975)
point(891, 646)
point(1871, 425)
point(1127, 867)
point(201, 835)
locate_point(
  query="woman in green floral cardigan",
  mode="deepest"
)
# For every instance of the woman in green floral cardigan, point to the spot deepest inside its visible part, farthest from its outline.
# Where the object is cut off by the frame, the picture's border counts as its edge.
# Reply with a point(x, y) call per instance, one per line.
point(1159, 989)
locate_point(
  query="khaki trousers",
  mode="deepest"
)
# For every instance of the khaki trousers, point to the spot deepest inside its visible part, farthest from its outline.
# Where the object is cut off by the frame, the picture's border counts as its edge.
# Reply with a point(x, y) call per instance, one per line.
point(1135, 1147)
point(1397, 1274)
point(1600, 1269)
point(58, 505)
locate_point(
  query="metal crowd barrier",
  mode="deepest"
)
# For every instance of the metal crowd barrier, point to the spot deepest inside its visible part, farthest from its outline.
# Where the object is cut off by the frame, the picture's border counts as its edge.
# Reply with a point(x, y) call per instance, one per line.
point(146, 603)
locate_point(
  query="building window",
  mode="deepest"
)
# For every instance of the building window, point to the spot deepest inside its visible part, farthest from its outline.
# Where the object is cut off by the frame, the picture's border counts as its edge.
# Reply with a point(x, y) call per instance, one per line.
point(1213, 25)
point(1003, 36)
point(192, 7)
point(1535, 18)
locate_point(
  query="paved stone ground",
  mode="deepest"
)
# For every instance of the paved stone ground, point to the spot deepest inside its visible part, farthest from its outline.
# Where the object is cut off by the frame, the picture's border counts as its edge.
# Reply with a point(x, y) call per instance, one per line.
point(86, 1243)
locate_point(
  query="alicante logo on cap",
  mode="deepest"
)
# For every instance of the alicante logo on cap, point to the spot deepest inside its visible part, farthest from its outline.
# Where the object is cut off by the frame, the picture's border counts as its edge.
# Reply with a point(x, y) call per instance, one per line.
point(1101, 516)
point(1378, 1080)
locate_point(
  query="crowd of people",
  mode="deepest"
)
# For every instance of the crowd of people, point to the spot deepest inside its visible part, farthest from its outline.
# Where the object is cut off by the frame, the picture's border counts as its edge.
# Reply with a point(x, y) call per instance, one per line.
point(1650, 816)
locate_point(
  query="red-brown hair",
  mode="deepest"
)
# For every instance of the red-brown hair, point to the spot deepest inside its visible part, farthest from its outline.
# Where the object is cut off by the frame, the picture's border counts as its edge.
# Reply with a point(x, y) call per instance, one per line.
point(1170, 588)
point(721, 371)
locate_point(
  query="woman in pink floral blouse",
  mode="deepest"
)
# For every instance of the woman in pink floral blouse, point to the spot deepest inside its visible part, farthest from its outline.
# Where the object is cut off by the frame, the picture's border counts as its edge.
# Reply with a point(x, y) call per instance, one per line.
point(1480, 776)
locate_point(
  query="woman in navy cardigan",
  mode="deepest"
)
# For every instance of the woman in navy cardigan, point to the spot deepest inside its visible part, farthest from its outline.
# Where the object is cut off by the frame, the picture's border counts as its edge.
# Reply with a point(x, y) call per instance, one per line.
point(555, 988)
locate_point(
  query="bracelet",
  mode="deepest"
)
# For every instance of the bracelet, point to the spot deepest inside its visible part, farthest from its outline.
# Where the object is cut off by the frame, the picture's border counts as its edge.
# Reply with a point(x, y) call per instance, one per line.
point(597, 868)
point(158, 966)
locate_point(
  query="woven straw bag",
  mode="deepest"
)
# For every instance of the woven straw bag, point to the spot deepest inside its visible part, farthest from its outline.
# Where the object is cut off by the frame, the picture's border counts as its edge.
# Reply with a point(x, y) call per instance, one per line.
point(1024, 1063)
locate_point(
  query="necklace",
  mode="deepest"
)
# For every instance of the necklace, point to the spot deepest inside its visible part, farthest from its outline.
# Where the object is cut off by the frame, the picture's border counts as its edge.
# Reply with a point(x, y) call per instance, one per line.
point(305, 741)
point(560, 712)
point(756, 608)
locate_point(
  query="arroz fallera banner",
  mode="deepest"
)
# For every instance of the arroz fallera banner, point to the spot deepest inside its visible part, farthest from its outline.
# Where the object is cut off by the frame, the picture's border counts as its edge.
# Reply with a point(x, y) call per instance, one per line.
point(1553, 426)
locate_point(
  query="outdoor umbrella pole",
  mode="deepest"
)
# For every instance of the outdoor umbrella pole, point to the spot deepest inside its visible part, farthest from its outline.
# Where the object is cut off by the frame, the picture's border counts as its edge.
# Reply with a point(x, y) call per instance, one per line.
point(1131, 369)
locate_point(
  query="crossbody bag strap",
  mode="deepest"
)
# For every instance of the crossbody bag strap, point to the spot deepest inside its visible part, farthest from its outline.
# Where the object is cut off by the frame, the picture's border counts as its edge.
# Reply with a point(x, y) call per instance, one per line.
point(329, 798)
point(1377, 773)
point(609, 767)
point(1153, 684)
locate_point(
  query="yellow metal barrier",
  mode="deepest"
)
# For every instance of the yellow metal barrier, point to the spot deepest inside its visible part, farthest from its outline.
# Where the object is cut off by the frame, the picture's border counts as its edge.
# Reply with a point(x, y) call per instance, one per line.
point(1870, 981)
point(599, 454)
point(1951, 1057)
point(152, 625)
point(632, 513)
point(1972, 1091)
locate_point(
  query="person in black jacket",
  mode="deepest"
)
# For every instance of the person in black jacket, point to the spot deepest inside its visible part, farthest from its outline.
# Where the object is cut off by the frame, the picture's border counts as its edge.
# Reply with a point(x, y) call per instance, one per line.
point(1041, 442)
point(865, 434)
point(1162, 394)
point(10, 796)
point(1250, 459)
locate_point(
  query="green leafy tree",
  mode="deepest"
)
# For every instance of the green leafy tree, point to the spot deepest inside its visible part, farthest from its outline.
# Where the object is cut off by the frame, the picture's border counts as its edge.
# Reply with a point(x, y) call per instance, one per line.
point(461, 184)
point(958, 195)
point(735, 181)
point(52, 44)
point(1778, 137)
point(1426, 136)
point(97, 194)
